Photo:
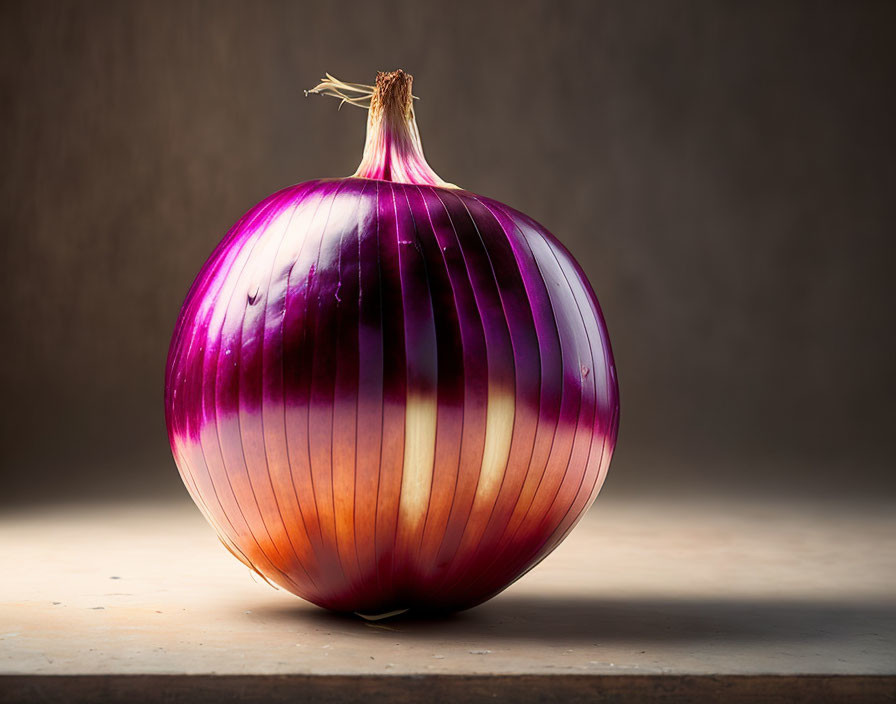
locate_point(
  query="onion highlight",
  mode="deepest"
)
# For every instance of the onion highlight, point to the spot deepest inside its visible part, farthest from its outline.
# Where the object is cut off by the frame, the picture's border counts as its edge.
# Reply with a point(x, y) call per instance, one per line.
point(385, 392)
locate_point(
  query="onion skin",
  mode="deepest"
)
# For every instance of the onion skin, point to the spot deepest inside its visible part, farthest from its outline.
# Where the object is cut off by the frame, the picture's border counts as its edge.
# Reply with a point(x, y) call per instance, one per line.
point(390, 396)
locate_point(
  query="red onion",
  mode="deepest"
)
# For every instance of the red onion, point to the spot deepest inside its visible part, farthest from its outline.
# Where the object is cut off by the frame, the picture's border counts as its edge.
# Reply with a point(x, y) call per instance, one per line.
point(385, 392)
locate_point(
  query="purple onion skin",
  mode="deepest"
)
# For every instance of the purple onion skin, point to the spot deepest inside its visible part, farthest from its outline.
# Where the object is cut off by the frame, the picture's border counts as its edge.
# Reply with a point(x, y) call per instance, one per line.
point(391, 396)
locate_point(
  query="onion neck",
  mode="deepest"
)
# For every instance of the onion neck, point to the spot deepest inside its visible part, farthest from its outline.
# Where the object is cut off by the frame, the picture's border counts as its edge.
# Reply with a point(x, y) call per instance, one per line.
point(393, 151)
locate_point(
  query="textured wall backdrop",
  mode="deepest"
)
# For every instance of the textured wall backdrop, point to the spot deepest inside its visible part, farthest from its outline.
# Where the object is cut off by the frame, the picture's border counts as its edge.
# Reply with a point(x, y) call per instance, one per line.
point(724, 172)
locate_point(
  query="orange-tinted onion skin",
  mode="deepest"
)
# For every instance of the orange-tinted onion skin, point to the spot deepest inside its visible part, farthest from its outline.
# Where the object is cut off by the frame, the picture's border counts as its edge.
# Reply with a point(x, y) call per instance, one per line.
point(386, 396)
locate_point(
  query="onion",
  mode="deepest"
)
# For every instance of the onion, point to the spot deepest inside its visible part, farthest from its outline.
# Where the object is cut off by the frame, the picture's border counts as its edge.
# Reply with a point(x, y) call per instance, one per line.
point(385, 392)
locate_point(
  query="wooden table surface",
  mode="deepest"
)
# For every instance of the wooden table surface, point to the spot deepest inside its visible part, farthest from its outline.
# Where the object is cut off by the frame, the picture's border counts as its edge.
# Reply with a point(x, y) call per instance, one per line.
point(672, 599)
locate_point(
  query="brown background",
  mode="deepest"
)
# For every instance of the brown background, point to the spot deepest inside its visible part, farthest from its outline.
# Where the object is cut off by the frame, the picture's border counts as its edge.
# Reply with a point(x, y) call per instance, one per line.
point(724, 171)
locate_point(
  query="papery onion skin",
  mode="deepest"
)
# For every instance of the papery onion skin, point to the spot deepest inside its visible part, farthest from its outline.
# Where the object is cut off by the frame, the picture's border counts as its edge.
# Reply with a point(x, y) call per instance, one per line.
point(391, 395)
